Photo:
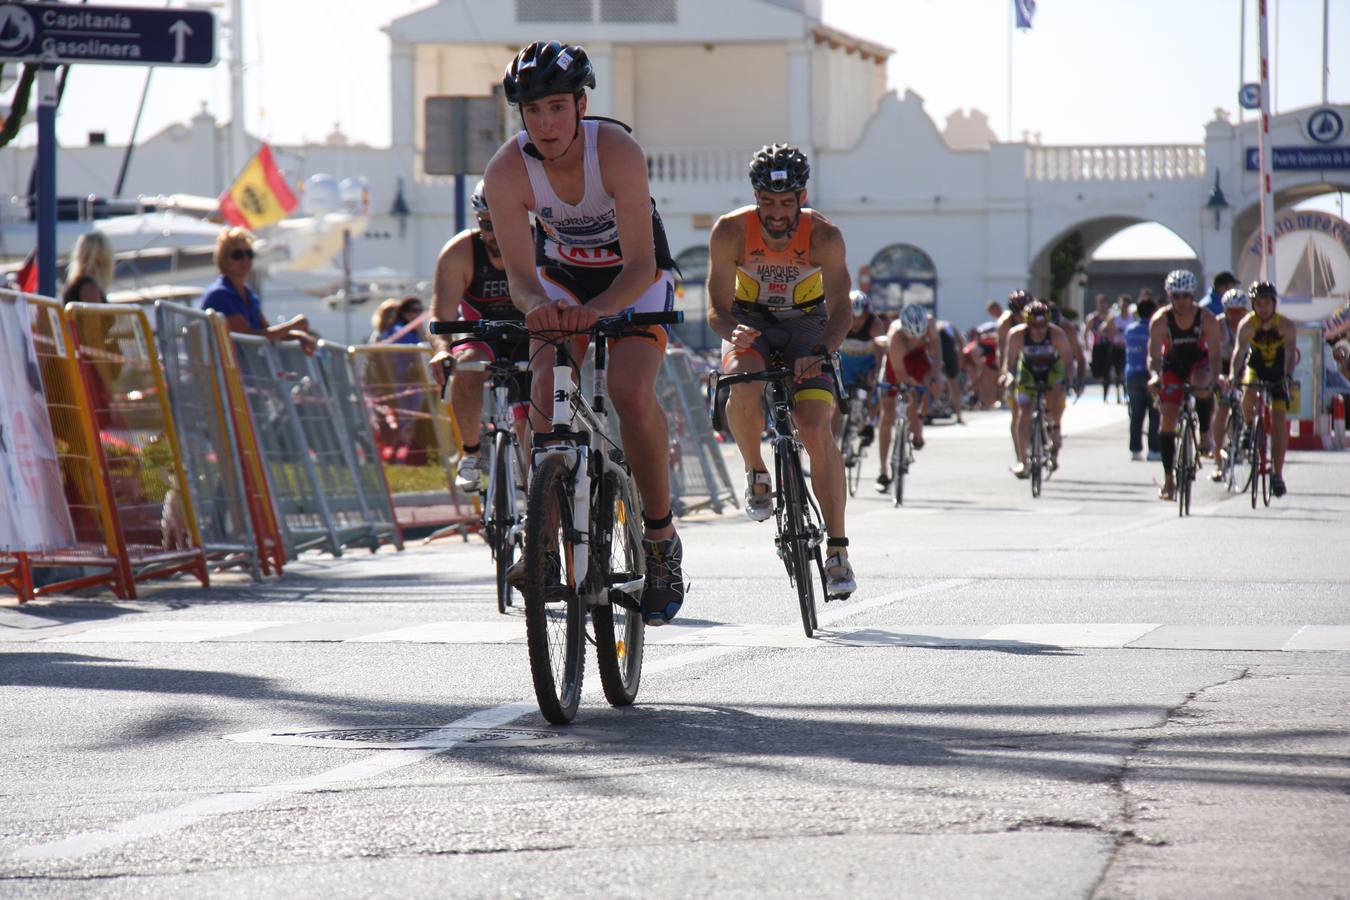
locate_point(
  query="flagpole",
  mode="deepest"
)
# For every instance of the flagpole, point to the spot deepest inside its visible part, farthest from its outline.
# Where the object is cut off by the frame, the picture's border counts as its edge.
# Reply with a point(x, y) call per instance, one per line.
point(1326, 16)
point(1263, 153)
point(1011, 23)
point(1242, 57)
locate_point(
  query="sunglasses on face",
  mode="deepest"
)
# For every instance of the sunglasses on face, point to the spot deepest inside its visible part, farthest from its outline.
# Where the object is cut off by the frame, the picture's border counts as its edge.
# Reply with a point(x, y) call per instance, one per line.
point(485, 225)
point(241, 254)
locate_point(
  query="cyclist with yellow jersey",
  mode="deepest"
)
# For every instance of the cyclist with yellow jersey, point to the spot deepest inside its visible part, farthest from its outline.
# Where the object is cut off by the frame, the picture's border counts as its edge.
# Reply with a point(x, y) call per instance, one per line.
point(1271, 339)
point(778, 283)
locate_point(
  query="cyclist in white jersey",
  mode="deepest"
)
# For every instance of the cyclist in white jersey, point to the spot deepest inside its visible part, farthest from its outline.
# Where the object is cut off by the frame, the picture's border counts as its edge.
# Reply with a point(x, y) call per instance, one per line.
point(599, 250)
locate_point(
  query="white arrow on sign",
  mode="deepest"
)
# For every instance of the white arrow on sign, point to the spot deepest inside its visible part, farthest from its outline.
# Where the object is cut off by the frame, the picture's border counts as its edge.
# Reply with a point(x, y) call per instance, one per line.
point(180, 31)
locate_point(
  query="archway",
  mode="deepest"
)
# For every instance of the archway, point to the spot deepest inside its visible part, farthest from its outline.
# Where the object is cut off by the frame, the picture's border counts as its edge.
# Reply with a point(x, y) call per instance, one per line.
point(1114, 255)
point(902, 274)
point(1312, 252)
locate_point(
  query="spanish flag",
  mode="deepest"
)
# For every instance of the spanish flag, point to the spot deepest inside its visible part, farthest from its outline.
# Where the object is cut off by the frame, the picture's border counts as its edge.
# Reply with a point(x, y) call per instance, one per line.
point(259, 196)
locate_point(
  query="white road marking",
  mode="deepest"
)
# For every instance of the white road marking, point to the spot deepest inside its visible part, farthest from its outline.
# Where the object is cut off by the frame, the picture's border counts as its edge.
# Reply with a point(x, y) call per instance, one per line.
point(498, 631)
point(165, 631)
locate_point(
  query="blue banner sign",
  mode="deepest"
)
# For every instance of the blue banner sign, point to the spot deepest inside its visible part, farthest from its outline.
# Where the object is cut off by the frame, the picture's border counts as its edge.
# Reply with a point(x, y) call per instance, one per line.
point(129, 35)
point(1303, 158)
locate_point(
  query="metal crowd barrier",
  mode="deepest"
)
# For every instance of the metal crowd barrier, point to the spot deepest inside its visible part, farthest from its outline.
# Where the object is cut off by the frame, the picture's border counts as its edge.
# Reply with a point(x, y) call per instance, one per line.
point(416, 433)
point(98, 543)
point(698, 472)
point(233, 532)
point(302, 510)
point(336, 364)
point(139, 439)
point(257, 480)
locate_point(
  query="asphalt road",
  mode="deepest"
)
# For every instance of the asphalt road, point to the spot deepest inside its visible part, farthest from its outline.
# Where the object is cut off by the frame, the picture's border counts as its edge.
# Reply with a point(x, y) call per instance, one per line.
point(1076, 696)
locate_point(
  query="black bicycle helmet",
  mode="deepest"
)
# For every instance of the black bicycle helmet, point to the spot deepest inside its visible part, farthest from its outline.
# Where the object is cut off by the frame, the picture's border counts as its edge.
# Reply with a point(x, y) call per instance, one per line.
point(1017, 301)
point(1263, 289)
point(545, 68)
point(779, 168)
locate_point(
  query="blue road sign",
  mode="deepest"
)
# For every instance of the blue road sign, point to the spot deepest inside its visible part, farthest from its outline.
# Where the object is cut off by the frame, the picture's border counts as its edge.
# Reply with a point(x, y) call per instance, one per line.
point(127, 35)
point(1250, 96)
point(1303, 158)
point(1325, 126)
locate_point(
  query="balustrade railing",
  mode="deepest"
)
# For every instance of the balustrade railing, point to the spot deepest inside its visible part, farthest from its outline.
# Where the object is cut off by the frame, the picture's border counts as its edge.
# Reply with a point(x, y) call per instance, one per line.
point(1141, 162)
point(678, 165)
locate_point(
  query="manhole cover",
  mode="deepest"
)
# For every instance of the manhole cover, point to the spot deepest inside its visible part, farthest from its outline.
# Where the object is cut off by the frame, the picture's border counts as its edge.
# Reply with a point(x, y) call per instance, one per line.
point(417, 737)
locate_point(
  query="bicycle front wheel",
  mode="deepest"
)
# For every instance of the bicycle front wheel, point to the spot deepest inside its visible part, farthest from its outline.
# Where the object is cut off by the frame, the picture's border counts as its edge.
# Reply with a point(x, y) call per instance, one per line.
point(501, 512)
point(1267, 461)
point(1257, 462)
point(555, 627)
point(1184, 467)
point(619, 631)
point(1233, 444)
point(795, 537)
point(1037, 454)
point(900, 458)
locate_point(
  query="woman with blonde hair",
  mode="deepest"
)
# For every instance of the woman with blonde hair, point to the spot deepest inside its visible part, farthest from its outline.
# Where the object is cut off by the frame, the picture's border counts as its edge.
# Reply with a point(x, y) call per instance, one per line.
point(383, 318)
point(90, 272)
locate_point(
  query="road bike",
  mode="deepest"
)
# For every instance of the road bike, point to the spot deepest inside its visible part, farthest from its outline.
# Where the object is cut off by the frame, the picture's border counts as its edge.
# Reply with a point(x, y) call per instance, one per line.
point(800, 528)
point(1259, 439)
point(902, 450)
point(1038, 447)
point(1188, 450)
point(583, 530)
point(1233, 456)
point(852, 446)
point(504, 502)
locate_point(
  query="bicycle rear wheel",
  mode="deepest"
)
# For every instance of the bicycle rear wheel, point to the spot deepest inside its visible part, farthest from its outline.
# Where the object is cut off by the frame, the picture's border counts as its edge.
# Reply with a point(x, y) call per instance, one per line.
point(501, 517)
point(619, 631)
point(795, 537)
point(555, 627)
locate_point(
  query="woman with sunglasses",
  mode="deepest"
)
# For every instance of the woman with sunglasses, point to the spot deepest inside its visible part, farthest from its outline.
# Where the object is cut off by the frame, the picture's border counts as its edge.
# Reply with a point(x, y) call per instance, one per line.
point(231, 296)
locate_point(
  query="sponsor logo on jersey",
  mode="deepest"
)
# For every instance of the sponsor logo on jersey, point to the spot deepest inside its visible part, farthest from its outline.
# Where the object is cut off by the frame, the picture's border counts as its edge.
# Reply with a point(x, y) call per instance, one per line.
point(589, 256)
point(773, 272)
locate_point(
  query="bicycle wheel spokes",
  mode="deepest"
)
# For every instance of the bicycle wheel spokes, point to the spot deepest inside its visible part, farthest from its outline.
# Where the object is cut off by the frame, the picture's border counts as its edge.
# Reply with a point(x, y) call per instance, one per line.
point(1037, 455)
point(619, 631)
point(900, 457)
point(1267, 462)
point(1256, 462)
point(554, 618)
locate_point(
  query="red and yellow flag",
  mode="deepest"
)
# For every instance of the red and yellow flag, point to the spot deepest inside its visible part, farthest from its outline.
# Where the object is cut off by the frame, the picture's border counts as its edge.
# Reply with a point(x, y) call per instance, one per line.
point(259, 196)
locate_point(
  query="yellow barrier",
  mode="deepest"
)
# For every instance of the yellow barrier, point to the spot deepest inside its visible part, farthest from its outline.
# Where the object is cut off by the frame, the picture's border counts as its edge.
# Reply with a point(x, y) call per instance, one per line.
point(98, 539)
point(128, 404)
point(416, 432)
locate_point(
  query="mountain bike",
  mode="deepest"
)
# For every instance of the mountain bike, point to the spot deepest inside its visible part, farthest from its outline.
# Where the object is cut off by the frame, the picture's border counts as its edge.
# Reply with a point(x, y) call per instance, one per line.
point(800, 528)
point(583, 530)
point(504, 503)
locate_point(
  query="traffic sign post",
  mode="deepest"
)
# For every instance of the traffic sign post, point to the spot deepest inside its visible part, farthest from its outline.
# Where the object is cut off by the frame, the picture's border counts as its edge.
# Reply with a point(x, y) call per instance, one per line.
point(53, 34)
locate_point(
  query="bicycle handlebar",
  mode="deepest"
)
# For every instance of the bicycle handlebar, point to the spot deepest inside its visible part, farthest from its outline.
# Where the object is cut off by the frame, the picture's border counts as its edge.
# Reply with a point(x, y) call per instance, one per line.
point(605, 325)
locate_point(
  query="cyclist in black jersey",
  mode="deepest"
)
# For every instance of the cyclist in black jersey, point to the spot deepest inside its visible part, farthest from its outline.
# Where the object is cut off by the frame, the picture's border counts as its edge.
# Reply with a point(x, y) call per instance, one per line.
point(1183, 345)
point(471, 284)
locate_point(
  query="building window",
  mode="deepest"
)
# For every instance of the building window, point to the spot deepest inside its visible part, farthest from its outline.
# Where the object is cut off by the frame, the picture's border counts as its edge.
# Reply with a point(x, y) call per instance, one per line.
point(639, 11)
point(902, 274)
point(554, 11)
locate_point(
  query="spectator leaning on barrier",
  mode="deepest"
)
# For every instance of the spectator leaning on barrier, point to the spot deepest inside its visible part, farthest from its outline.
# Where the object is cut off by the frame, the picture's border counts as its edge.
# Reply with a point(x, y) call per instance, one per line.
point(402, 329)
point(1221, 285)
point(231, 296)
point(1136, 382)
point(90, 272)
point(382, 318)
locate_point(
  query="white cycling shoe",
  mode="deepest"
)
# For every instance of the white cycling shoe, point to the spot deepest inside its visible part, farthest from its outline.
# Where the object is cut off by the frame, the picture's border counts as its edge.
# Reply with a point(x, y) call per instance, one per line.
point(758, 506)
point(469, 477)
point(839, 580)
